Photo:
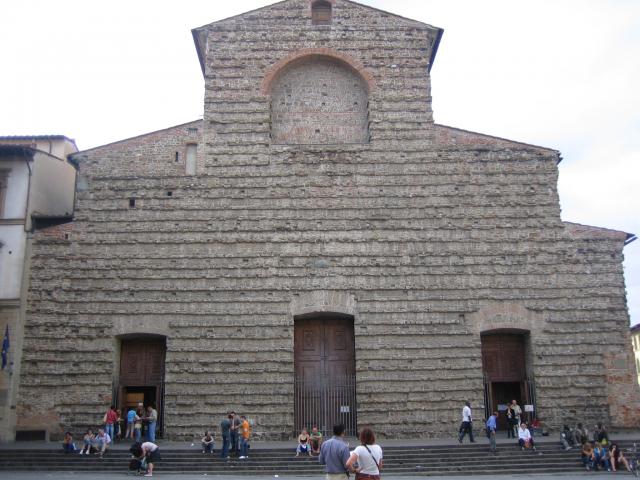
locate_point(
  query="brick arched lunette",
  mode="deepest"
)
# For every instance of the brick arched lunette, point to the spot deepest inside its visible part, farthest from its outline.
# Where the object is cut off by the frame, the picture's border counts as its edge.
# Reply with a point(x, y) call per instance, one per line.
point(273, 71)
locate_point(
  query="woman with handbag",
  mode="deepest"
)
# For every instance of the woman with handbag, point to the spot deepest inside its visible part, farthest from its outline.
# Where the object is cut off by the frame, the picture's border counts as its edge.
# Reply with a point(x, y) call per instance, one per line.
point(368, 456)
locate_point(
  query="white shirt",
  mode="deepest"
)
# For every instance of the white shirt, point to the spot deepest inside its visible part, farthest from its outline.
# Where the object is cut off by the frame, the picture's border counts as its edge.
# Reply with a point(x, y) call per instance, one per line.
point(524, 434)
point(466, 414)
point(149, 447)
point(365, 461)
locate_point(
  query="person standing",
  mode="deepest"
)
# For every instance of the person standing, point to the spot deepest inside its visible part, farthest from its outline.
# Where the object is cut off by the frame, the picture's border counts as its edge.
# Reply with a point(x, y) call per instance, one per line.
point(368, 456)
point(245, 433)
point(225, 429)
point(152, 418)
point(517, 416)
point(334, 454)
point(140, 413)
point(110, 418)
point(233, 431)
point(492, 426)
point(466, 426)
point(511, 422)
point(131, 418)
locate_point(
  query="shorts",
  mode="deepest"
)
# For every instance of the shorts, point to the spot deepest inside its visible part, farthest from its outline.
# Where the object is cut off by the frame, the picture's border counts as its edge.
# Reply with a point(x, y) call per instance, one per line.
point(154, 456)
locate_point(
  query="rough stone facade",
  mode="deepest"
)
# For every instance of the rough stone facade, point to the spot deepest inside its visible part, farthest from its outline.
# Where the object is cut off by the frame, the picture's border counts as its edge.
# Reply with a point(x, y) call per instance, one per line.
point(427, 235)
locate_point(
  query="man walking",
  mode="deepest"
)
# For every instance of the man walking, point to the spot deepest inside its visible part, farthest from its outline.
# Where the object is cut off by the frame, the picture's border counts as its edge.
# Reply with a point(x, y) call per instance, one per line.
point(466, 426)
point(334, 454)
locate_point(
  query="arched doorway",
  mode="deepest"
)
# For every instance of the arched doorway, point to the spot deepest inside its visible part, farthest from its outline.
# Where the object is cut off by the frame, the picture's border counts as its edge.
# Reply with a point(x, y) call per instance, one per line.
point(325, 385)
point(141, 376)
point(507, 374)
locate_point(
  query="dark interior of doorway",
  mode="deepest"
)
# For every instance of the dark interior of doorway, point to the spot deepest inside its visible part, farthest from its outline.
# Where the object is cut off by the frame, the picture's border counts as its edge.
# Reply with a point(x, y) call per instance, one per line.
point(503, 394)
point(134, 395)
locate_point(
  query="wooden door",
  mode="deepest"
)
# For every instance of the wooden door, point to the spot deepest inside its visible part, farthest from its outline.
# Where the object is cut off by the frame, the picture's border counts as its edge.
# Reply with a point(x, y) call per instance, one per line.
point(504, 358)
point(325, 373)
point(324, 347)
point(142, 363)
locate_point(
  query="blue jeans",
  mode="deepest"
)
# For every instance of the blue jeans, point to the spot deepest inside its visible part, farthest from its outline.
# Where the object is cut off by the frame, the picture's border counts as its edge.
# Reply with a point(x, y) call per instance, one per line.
point(207, 447)
point(137, 434)
point(151, 431)
point(69, 447)
point(108, 428)
point(234, 441)
point(225, 447)
point(244, 447)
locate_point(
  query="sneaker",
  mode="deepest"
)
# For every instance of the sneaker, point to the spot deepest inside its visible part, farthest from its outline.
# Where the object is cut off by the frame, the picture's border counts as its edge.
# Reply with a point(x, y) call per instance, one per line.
point(148, 474)
point(81, 452)
point(242, 457)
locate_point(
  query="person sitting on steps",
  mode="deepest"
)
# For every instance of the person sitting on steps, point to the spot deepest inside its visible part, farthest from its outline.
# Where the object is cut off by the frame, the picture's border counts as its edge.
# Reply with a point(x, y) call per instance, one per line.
point(207, 442)
point(525, 440)
point(303, 443)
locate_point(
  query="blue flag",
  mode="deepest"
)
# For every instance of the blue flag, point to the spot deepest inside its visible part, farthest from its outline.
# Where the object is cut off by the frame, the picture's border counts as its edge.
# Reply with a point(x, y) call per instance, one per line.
point(5, 347)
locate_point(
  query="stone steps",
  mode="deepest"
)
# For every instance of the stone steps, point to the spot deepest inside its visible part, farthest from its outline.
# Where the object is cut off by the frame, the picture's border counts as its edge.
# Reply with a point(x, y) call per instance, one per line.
point(413, 460)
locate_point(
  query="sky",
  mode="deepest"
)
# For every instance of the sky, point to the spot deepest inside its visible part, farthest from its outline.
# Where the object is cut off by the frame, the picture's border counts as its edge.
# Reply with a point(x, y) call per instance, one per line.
point(563, 74)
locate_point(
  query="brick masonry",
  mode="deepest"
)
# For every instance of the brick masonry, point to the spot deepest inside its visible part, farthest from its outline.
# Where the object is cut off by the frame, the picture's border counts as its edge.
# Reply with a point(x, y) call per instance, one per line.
point(427, 234)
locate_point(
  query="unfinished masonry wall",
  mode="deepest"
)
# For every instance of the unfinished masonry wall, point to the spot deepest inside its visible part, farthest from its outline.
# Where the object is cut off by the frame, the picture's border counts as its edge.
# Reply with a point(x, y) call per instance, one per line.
point(432, 234)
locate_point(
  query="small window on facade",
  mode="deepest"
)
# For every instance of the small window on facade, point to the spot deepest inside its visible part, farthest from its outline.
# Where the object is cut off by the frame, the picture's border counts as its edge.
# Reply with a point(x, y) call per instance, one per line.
point(321, 13)
point(192, 150)
point(177, 157)
point(132, 203)
point(192, 132)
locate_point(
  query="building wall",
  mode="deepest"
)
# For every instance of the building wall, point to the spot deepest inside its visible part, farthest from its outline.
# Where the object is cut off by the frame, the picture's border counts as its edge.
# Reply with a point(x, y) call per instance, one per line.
point(15, 206)
point(427, 235)
point(44, 187)
point(12, 238)
point(635, 343)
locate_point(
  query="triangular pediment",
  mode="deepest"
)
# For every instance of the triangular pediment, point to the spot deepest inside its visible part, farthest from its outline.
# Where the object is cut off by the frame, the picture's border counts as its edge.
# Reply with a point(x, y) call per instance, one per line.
point(294, 14)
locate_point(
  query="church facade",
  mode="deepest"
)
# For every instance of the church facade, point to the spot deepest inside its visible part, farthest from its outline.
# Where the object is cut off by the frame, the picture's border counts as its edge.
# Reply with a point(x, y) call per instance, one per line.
point(317, 250)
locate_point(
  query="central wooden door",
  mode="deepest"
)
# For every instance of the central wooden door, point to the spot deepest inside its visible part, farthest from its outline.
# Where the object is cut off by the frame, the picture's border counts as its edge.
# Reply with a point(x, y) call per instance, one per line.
point(325, 373)
point(504, 365)
point(141, 379)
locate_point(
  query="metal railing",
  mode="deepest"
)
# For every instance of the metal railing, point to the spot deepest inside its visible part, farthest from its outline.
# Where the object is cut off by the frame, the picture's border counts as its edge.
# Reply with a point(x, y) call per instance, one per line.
point(324, 402)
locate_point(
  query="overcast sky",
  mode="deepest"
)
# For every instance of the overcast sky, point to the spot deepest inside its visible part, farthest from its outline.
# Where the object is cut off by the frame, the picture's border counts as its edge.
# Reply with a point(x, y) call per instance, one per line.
point(563, 74)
